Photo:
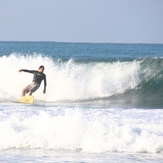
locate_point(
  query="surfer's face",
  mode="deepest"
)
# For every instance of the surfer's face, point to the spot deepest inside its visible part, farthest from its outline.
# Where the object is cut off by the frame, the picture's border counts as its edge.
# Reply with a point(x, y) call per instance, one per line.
point(41, 69)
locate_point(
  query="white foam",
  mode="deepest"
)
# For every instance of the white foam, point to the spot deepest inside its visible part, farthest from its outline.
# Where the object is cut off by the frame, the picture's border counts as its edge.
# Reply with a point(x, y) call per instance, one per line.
point(81, 129)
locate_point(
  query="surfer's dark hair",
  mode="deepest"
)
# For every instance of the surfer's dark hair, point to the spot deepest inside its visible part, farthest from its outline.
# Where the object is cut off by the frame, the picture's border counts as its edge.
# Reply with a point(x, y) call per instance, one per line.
point(41, 67)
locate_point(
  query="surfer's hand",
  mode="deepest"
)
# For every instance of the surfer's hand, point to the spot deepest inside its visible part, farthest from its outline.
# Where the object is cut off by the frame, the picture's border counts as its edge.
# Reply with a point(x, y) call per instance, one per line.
point(19, 70)
point(44, 91)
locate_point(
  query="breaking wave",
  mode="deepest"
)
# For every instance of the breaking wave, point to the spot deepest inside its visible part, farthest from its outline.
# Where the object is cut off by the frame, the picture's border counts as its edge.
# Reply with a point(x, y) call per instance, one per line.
point(134, 82)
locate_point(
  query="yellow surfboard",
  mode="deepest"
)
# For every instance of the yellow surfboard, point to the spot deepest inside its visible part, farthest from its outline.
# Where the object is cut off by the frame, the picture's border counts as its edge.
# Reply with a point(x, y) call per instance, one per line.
point(26, 99)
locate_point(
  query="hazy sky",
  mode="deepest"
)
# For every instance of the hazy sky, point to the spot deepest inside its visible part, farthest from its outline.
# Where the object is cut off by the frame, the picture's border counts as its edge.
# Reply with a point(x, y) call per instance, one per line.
point(116, 21)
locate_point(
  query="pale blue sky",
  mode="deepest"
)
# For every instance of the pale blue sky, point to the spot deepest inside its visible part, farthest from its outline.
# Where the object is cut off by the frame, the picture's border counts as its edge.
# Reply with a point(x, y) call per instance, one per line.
point(115, 21)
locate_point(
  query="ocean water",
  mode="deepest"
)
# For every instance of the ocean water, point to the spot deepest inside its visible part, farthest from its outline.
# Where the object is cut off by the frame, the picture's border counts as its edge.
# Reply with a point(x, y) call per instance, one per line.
point(104, 103)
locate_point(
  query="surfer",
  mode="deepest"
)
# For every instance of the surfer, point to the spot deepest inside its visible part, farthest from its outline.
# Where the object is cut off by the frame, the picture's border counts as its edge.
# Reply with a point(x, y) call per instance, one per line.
point(38, 76)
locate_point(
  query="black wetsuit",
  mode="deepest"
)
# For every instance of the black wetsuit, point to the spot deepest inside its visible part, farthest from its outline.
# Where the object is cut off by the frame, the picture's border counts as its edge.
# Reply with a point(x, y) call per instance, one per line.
point(38, 76)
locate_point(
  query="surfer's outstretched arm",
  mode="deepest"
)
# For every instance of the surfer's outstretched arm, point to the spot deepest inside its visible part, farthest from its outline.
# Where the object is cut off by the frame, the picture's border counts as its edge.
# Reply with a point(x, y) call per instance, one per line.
point(24, 70)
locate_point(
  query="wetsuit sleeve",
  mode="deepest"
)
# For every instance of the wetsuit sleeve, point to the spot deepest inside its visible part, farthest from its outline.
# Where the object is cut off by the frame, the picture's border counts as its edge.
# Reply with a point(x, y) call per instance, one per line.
point(45, 83)
point(30, 71)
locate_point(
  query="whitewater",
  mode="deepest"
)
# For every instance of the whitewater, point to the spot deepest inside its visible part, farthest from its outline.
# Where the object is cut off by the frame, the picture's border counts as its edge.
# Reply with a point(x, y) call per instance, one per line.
point(103, 103)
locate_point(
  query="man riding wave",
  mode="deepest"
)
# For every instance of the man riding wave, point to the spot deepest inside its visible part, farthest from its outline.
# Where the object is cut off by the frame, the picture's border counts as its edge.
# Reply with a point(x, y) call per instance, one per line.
point(38, 76)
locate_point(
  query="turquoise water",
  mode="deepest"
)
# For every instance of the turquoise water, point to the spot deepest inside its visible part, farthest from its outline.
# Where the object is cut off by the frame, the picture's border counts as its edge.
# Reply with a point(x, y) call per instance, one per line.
point(103, 103)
